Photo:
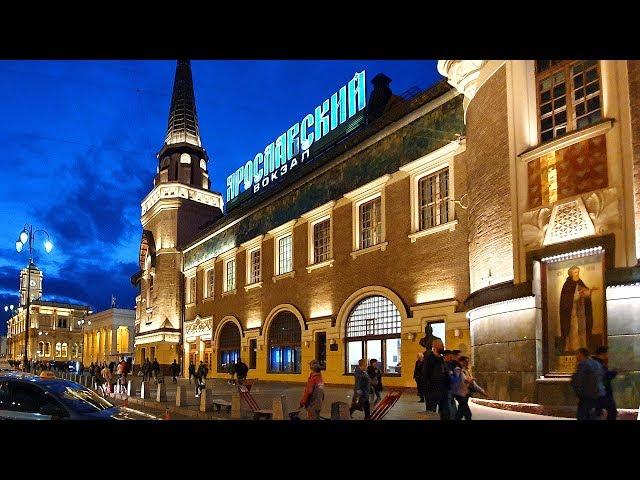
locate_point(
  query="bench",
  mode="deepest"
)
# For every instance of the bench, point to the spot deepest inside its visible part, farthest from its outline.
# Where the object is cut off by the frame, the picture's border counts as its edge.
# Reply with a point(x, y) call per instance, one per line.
point(258, 413)
point(385, 405)
point(219, 403)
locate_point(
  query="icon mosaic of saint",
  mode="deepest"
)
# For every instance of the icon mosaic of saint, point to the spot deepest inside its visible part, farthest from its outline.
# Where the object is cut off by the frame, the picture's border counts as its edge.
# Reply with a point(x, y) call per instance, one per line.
point(576, 313)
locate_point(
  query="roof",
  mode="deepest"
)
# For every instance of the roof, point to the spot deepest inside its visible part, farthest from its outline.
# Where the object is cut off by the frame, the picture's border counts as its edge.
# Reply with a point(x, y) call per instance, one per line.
point(73, 306)
point(183, 120)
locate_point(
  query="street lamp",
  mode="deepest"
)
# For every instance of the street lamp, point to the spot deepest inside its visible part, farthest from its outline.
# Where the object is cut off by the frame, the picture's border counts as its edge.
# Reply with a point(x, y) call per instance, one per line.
point(81, 323)
point(27, 235)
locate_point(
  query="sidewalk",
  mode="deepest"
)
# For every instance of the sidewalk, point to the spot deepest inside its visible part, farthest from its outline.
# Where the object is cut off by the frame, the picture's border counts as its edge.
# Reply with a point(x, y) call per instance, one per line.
point(407, 408)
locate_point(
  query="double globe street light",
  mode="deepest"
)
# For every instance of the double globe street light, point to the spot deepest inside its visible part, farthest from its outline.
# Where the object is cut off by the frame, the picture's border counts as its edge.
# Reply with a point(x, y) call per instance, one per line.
point(27, 236)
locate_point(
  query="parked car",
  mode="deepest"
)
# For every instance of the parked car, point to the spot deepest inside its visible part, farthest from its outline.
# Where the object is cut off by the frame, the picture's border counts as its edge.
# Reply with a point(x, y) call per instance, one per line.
point(24, 396)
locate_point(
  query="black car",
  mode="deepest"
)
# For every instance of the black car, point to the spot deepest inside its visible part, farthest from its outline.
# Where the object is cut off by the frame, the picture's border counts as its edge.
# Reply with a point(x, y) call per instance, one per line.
point(24, 396)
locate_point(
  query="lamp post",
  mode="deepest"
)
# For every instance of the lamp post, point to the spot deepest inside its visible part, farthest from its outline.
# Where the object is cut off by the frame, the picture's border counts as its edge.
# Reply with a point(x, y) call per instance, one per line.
point(81, 323)
point(28, 235)
point(12, 311)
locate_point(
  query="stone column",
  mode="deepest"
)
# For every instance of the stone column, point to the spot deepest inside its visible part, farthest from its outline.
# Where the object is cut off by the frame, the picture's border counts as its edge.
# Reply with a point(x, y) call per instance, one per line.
point(203, 400)
point(114, 339)
point(236, 412)
point(161, 393)
point(144, 390)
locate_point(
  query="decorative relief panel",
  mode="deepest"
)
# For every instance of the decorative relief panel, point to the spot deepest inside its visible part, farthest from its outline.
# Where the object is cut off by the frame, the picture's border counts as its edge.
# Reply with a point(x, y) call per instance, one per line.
point(198, 327)
point(568, 221)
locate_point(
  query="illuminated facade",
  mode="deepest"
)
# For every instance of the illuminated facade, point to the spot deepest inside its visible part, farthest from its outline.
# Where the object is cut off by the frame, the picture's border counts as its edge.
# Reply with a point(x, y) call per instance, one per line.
point(54, 333)
point(503, 208)
point(108, 335)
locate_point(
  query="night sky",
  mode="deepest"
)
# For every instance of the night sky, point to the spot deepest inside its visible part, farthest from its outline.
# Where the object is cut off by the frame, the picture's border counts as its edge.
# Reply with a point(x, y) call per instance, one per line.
point(79, 140)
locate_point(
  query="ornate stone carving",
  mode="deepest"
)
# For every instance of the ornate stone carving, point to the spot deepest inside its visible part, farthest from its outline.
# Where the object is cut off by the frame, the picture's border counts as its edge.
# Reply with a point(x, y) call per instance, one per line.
point(462, 74)
point(603, 209)
point(534, 226)
point(569, 220)
point(197, 327)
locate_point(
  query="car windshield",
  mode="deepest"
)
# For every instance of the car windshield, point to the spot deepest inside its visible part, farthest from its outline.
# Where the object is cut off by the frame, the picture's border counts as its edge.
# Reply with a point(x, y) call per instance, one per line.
point(78, 398)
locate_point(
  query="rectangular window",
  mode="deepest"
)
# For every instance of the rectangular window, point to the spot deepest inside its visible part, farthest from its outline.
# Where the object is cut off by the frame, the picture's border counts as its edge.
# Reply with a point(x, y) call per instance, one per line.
point(190, 290)
point(322, 241)
point(210, 277)
point(62, 322)
point(230, 283)
point(255, 274)
point(433, 192)
point(568, 96)
point(285, 254)
point(370, 223)
point(321, 349)
point(253, 347)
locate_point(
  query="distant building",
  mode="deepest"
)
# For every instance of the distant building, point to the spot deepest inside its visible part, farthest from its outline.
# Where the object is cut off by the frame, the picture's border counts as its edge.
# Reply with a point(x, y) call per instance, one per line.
point(3, 345)
point(108, 335)
point(54, 332)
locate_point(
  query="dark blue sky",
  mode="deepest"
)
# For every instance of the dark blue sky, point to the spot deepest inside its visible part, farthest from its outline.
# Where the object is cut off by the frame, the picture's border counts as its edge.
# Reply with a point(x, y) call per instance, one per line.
point(79, 140)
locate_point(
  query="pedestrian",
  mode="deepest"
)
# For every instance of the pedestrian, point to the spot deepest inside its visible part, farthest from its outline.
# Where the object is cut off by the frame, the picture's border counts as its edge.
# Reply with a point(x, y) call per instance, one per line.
point(376, 380)
point(313, 394)
point(112, 366)
point(155, 370)
point(417, 376)
point(106, 379)
point(462, 388)
point(451, 363)
point(241, 371)
point(588, 384)
point(361, 390)
point(146, 374)
point(201, 375)
point(122, 374)
point(192, 371)
point(607, 402)
point(437, 381)
point(175, 368)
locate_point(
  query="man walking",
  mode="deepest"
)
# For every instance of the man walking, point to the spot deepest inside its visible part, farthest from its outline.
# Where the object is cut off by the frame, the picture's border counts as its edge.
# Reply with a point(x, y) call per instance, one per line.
point(201, 375)
point(155, 370)
point(588, 384)
point(417, 376)
point(450, 363)
point(437, 381)
point(361, 390)
point(175, 368)
point(192, 371)
point(607, 402)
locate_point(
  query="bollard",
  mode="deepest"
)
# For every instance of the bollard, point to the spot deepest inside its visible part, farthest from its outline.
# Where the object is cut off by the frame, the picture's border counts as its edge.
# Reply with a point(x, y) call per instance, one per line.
point(279, 407)
point(144, 390)
point(236, 412)
point(129, 390)
point(180, 396)
point(161, 393)
point(203, 400)
point(339, 411)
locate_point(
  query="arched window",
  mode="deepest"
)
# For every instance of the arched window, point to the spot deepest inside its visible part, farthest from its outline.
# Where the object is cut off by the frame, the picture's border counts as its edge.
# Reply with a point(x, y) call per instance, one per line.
point(47, 349)
point(285, 338)
point(229, 346)
point(76, 350)
point(373, 331)
point(41, 348)
point(203, 164)
point(65, 351)
point(58, 349)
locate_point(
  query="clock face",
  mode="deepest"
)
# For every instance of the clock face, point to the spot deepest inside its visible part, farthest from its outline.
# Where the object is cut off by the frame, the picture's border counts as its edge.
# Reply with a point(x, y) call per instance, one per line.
point(32, 283)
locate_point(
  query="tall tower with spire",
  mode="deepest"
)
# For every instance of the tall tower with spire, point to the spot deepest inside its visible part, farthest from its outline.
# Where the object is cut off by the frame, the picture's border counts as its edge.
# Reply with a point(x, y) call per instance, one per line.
point(172, 213)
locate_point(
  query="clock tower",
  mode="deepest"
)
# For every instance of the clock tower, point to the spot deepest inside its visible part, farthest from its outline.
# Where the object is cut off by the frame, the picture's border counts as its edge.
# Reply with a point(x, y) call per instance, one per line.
point(171, 215)
point(35, 291)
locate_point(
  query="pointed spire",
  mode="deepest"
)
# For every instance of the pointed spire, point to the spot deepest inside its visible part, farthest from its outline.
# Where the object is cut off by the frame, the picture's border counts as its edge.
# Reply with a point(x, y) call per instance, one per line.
point(183, 120)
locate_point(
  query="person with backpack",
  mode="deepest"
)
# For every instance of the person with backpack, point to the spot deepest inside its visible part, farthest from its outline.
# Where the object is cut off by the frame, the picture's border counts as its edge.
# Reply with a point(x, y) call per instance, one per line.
point(201, 375)
point(155, 370)
point(376, 380)
point(192, 371)
point(122, 374)
point(175, 368)
point(241, 370)
point(462, 387)
point(588, 384)
point(313, 394)
point(361, 390)
point(607, 402)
